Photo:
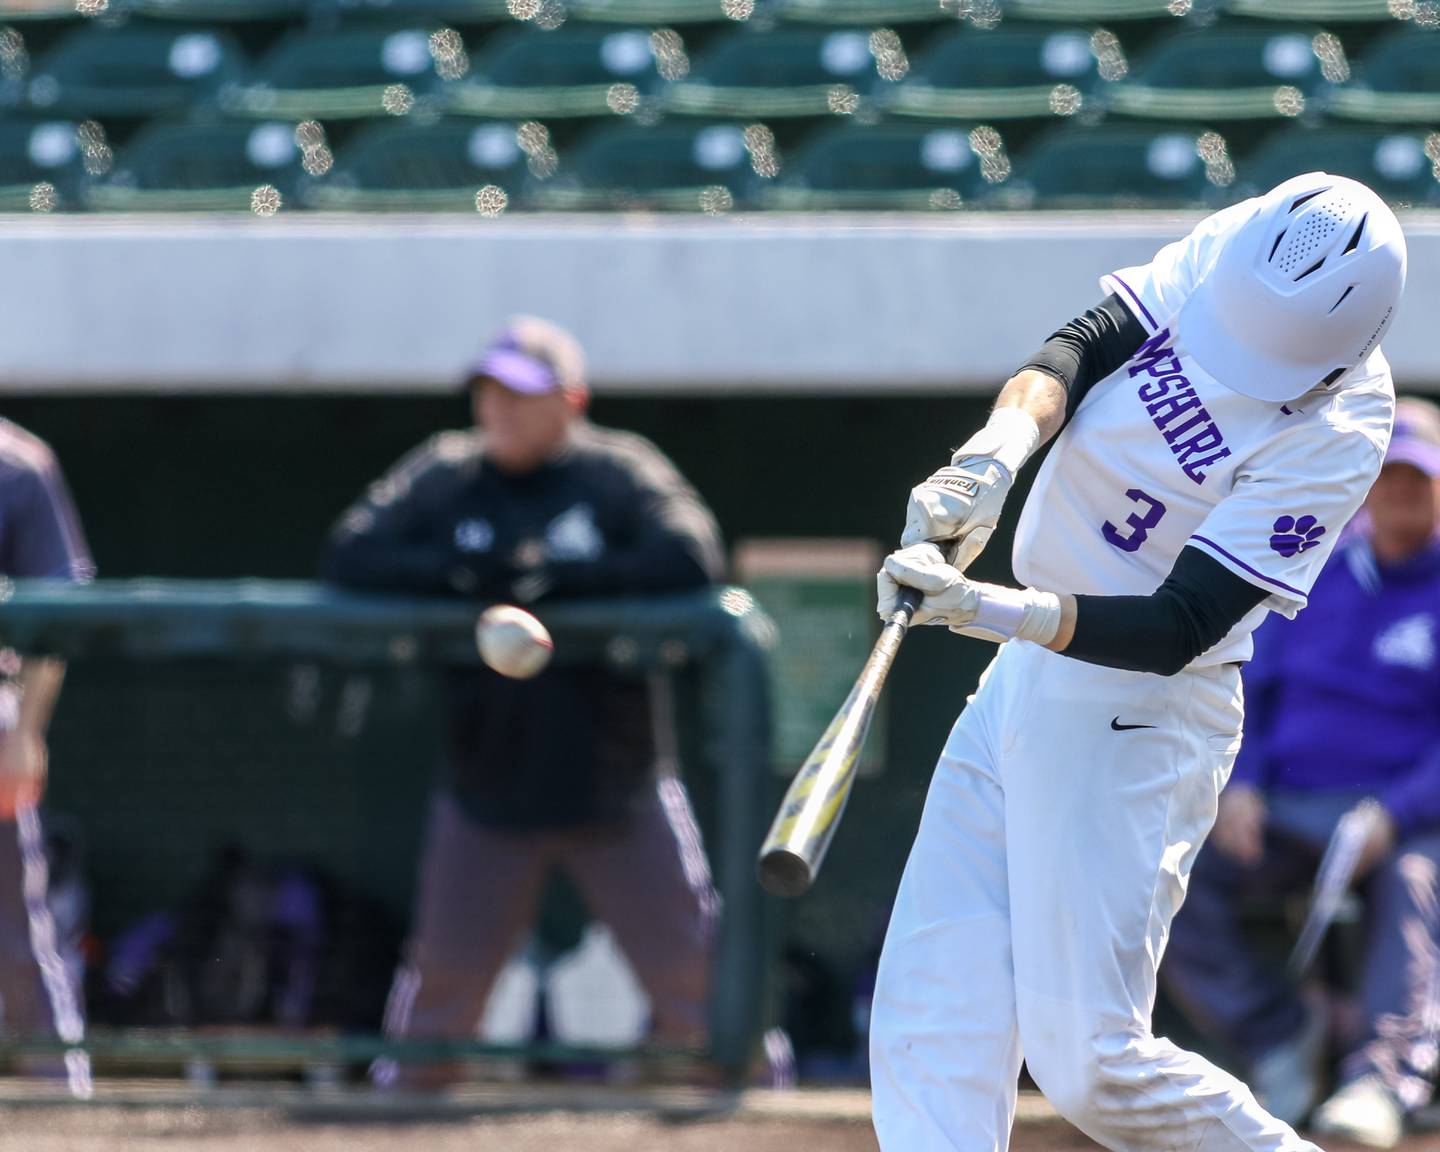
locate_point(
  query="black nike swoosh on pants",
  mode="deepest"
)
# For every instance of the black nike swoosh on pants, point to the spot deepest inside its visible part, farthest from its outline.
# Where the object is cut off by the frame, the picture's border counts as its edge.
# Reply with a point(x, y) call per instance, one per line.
point(1115, 724)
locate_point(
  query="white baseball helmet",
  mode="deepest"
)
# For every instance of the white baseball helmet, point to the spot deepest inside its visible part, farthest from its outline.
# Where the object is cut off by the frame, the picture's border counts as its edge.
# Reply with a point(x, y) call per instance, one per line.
point(1302, 291)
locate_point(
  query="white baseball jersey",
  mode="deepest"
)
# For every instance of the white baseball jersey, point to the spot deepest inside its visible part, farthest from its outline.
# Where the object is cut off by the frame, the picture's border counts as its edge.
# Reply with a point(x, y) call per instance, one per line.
point(1159, 455)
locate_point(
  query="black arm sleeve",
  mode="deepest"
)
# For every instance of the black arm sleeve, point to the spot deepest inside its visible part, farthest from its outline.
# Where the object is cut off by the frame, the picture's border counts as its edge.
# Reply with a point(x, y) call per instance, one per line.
point(1089, 348)
point(1200, 601)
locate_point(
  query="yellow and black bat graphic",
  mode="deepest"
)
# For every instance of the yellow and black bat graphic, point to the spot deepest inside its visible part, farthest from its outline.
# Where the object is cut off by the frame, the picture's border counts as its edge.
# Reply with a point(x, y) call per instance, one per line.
point(792, 853)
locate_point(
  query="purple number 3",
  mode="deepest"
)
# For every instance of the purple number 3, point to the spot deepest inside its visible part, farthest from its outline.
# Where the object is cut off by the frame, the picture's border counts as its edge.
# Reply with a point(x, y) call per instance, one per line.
point(1139, 524)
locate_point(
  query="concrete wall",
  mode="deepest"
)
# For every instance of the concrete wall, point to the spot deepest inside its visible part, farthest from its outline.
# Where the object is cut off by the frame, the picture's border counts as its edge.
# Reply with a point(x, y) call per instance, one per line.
point(861, 304)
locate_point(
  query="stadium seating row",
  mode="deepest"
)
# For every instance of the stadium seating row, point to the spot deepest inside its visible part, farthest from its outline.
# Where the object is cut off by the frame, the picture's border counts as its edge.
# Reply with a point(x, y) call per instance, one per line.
point(460, 164)
point(980, 12)
point(361, 70)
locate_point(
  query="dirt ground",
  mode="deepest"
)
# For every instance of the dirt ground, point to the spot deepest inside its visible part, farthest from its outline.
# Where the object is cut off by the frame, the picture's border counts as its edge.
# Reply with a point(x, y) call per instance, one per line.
point(180, 1128)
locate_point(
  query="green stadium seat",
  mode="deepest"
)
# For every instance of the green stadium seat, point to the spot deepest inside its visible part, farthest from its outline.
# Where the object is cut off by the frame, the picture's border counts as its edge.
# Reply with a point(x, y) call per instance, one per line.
point(859, 12)
point(1328, 11)
point(888, 167)
point(572, 71)
point(660, 12)
point(452, 165)
point(1401, 165)
point(35, 154)
point(457, 11)
point(669, 167)
point(342, 74)
point(1398, 81)
point(1119, 167)
point(12, 11)
point(1225, 74)
point(134, 70)
point(786, 72)
point(220, 11)
point(206, 166)
point(1087, 10)
point(1006, 74)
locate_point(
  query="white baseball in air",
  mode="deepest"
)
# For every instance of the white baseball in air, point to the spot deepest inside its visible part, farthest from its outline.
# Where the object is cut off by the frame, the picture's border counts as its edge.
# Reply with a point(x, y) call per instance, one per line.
point(513, 642)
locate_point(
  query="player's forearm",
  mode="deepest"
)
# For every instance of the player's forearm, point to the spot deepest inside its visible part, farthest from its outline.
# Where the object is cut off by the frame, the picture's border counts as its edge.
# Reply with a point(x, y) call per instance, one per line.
point(1040, 396)
point(40, 679)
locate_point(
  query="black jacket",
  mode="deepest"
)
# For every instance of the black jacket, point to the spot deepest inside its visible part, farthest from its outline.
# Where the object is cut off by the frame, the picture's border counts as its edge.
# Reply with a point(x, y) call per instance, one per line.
point(610, 517)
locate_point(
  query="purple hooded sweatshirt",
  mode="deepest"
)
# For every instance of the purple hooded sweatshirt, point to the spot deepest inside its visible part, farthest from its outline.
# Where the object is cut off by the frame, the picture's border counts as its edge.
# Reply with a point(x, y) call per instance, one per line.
point(1346, 697)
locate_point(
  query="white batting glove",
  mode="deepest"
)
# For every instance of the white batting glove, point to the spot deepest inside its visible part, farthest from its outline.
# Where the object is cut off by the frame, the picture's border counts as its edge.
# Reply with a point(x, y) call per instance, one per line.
point(963, 502)
point(988, 611)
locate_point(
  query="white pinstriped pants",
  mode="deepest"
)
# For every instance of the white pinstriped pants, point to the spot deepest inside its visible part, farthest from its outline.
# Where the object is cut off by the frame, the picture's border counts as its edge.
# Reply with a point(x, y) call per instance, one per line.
point(1052, 855)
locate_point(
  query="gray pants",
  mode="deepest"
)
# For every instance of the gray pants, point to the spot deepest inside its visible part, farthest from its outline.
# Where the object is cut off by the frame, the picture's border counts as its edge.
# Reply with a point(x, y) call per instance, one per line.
point(39, 985)
point(646, 878)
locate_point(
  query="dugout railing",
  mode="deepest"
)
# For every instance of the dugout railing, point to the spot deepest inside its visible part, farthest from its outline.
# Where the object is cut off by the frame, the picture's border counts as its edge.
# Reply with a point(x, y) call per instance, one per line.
point(715, 642)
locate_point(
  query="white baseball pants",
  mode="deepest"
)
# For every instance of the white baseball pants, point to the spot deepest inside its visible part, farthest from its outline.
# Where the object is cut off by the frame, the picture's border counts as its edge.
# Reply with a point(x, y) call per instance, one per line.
point(1065, 813)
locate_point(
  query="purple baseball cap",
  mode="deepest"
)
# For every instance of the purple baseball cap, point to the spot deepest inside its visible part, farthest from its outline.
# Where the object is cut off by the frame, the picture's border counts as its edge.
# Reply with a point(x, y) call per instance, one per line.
point(1416, 436)
point(532, 357)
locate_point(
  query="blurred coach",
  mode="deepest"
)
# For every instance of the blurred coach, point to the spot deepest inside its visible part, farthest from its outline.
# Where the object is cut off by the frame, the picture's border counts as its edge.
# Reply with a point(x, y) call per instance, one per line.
point(534, 504)
point(1342, 703)
point(40, 538)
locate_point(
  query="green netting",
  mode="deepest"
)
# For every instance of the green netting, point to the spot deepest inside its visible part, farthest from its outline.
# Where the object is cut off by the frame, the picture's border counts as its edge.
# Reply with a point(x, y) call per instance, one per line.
point(1112, 167)
point(1009, 73)
point(668, 168)
point(135, 70)
point(301, 725)
point(843, 12)
point(1224, 74)
point(1401, 166)
point(573, 71)
point(202, 167)
point(789, 72)
point(438, 167)
point(1397, 82)
point(346, 73)
point(887, 167)
point(35, 154)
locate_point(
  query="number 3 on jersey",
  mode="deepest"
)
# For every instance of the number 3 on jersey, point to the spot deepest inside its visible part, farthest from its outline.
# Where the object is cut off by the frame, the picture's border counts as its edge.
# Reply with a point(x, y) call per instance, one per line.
point(1139, 523)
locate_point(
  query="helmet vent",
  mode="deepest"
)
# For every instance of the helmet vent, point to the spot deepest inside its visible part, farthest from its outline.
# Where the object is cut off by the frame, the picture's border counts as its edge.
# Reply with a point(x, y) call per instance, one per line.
point(1307, 196)
point(1341, 300)
point(1355, 239)
point(1276, 245)
point(1308, 237)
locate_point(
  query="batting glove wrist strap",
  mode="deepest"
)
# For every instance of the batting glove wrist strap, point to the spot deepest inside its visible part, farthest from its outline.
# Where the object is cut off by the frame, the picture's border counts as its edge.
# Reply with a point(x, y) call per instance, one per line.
point(1009, 438)
point(1013, 614)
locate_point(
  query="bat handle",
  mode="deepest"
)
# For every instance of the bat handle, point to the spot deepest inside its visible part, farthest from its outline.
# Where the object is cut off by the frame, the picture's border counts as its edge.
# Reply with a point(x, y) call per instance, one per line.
point(909, 601)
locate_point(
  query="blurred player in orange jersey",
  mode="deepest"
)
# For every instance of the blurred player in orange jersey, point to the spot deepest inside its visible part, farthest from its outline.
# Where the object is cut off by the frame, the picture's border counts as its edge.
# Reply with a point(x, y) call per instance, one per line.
point(40, 538)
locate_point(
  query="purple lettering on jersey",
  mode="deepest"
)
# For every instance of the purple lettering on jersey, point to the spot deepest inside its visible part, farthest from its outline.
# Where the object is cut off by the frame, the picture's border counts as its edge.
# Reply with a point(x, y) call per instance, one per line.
point(1165, 410)
point(1207, 438)
point(1168, 395)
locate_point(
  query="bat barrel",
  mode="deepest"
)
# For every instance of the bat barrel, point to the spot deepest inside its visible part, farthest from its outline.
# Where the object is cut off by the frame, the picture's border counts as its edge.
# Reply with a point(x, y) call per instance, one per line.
point(784, 873)
point(810, 813)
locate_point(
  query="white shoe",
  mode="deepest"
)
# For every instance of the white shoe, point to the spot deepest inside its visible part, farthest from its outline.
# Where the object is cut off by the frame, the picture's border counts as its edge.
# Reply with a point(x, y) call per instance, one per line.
point(1286, 1080)
point(1364, 1112)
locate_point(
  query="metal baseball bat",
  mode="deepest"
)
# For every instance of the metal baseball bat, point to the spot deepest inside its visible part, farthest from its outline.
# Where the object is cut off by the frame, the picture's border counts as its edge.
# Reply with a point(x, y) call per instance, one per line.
point(1332, 881)
point(792, 853)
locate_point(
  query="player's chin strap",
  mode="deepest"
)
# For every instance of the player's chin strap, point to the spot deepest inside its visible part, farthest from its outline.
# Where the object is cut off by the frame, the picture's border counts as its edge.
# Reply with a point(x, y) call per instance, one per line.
point(1013, 614)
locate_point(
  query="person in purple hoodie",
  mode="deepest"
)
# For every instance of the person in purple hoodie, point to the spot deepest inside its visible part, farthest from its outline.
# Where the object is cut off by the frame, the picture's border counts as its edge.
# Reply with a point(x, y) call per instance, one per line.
point(40, 538)
point(1342, 705)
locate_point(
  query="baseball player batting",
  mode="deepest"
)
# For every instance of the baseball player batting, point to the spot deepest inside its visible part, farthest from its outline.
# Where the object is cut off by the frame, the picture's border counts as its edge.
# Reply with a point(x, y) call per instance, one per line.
point(1225, 408)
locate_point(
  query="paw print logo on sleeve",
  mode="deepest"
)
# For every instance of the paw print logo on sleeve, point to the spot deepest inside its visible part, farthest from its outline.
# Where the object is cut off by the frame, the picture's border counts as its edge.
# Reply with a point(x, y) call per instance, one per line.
point(1293, 535)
